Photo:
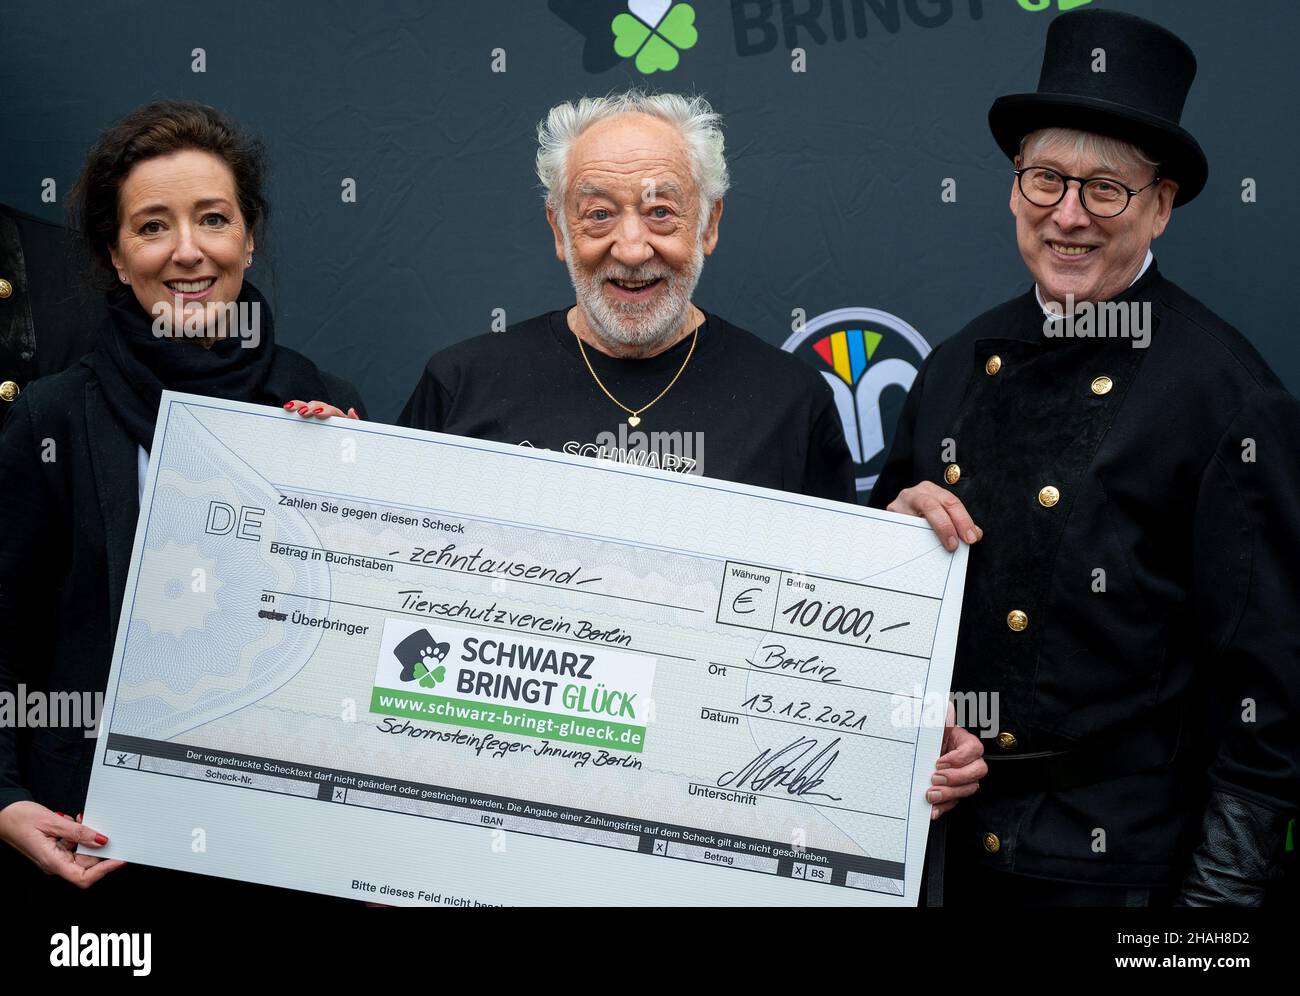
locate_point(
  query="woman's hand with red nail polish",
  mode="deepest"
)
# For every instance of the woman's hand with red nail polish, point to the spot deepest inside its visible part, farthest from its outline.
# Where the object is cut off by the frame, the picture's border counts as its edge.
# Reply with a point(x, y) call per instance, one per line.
point(322, 410)
point(49, 841)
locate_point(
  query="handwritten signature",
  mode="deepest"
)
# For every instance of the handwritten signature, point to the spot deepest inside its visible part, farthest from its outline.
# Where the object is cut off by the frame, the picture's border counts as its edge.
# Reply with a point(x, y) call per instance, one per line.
point(778, 769)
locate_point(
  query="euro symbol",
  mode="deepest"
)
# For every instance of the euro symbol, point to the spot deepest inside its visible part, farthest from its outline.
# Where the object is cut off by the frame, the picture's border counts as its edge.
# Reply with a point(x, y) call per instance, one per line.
point(744, 598)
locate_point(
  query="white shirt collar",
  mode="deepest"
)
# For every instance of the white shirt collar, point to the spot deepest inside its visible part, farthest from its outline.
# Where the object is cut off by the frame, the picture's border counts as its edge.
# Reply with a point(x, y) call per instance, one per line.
point(1146, 264)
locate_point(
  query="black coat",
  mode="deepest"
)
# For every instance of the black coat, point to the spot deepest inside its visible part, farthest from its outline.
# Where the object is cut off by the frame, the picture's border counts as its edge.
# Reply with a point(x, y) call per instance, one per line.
point(43, 328)
point(1182, 484)
point(69, 516)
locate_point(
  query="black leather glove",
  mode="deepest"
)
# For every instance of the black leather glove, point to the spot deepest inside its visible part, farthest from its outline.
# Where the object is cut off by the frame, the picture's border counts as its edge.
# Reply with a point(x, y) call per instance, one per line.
point(1238, 854)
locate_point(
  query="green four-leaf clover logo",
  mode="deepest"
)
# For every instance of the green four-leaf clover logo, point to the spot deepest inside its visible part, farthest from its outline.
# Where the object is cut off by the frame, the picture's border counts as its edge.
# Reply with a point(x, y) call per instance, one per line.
point(429, 678)
point(654, 31)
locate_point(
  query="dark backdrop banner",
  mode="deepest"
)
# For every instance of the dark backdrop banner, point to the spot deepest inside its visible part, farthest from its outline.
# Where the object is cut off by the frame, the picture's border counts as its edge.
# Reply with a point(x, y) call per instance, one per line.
point(868, 218)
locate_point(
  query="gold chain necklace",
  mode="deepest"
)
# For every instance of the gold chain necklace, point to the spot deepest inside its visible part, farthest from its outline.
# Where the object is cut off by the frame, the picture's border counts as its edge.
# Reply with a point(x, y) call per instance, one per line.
point(634, 414)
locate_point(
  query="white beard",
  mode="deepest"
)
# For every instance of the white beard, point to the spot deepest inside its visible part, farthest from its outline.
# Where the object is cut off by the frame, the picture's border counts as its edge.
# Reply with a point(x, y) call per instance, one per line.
point(640, 325)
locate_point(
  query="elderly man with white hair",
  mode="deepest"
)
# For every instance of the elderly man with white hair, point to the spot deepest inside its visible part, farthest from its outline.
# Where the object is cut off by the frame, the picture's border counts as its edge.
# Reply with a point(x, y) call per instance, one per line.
point(1126, 466)
point(633, 370)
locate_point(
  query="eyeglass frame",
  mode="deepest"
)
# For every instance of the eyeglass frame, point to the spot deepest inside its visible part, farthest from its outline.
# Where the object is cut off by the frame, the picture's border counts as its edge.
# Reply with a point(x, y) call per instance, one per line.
point(1081, 181)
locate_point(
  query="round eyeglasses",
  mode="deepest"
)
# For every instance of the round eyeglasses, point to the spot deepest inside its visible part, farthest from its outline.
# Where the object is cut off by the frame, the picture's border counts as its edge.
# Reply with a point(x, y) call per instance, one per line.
point(1101, 196)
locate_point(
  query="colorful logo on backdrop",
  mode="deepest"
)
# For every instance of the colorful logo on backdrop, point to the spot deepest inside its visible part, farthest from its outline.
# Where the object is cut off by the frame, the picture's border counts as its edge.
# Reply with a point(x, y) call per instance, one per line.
point(870, 359)
point(652, 33)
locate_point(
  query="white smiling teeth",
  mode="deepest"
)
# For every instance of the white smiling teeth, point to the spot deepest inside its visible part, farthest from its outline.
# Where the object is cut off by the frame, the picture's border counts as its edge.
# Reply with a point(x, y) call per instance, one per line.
point(190, 286)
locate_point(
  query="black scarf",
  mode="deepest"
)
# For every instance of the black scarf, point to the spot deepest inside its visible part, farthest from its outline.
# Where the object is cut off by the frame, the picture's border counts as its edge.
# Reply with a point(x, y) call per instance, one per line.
point(135, 366)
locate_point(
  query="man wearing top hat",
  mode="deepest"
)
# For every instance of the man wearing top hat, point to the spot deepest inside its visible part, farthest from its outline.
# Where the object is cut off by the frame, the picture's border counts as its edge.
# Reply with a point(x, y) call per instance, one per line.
point(1129, 479)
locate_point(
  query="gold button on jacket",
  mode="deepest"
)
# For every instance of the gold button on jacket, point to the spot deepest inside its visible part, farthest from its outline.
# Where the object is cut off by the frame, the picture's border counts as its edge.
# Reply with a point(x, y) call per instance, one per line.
point(991, 843)
point(8, 391)
point(952, 473)
point(1049, 496)
point(1102, 385)
point(1017, 620)
point(1007, 741)
point(992, 365)
point(6, 288)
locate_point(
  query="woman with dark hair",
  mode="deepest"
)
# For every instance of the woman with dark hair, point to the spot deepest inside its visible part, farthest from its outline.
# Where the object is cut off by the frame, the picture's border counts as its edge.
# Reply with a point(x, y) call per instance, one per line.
point(170, 203)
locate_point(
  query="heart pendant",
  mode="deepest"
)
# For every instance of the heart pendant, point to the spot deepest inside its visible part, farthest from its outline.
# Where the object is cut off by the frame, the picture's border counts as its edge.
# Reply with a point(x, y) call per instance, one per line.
point(634, 420)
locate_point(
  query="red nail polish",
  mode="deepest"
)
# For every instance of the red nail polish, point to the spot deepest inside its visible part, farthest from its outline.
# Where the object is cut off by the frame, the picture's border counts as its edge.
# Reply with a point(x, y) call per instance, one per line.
point(57, 813)
point(288, 406)
point(317, 411)
point(100, 839)
point(79, 817)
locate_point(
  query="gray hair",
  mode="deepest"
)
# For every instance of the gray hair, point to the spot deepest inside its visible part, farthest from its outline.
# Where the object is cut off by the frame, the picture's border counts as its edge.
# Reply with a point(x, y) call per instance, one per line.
point(1110, 153)
point(699, 124)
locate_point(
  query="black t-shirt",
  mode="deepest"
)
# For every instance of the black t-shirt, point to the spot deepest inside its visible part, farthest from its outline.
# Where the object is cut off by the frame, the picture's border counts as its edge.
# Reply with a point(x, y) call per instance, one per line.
point(742, 410)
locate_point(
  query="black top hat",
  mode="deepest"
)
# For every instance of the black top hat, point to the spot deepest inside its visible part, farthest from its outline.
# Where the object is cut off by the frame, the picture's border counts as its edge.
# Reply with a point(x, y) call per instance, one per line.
point(1139, 98)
